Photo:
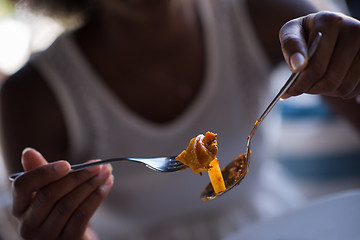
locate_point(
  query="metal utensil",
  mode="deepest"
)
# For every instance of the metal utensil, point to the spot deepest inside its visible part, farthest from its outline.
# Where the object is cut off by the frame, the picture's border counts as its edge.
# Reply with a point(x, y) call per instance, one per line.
point(234, 172)
point(161, 164)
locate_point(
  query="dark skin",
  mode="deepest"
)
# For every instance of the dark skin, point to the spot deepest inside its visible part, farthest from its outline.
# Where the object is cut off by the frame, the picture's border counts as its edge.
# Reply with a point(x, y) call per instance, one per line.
point(31, 116)
point(335, 70)
point(186, 50)
point(164, 61)
point(24, 96)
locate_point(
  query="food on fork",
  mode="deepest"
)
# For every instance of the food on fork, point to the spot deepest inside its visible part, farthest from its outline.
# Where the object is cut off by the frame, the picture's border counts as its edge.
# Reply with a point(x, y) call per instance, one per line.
point(200, 155)
point(200, 152)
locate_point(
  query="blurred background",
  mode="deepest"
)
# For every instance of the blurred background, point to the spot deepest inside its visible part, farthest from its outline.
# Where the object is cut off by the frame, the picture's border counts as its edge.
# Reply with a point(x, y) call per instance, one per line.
point(313, 152)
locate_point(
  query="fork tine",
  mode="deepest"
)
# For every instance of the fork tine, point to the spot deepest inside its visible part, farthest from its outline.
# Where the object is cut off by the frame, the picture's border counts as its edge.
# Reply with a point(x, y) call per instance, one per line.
point(175, 168)
point(174, 165)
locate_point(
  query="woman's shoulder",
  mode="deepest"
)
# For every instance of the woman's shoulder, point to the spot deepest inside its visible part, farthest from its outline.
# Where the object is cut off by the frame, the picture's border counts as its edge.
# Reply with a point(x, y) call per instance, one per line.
point(30, 114)
point(24, 86)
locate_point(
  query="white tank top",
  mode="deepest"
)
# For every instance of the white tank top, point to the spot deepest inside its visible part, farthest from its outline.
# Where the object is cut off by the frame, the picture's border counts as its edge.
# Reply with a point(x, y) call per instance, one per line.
point(100, 126)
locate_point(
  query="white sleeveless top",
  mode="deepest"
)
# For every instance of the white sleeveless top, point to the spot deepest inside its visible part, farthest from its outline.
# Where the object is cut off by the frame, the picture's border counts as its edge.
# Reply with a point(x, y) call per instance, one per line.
point(100, 126)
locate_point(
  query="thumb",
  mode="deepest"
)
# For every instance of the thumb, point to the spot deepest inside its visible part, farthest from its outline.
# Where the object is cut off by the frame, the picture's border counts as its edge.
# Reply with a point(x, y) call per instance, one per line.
point(32, 159)
point(293, 45)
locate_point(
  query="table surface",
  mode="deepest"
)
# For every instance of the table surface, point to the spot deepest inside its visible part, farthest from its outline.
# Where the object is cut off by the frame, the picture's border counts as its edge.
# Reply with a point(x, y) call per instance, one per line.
point(333, 217)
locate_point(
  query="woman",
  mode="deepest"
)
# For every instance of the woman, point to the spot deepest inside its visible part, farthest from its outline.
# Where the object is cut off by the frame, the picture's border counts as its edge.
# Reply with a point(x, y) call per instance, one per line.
point(140, 78)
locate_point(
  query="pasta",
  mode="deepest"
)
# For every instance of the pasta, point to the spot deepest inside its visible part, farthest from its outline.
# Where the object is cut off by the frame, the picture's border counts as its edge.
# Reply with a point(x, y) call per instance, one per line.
point(200, 156)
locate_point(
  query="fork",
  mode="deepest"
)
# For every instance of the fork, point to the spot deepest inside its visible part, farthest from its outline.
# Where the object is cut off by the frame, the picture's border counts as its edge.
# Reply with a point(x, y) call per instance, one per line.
point(160, 164)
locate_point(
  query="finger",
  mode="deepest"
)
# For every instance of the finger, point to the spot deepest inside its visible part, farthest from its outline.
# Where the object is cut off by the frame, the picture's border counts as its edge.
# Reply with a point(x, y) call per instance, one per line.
point(351, 85)
point(293, 44)
point(66, 207)
point(348, 86)
point(32, 159)
point(319, 63)
point(79, 220)
point(344, 54)
point(342, 74)
point(25, 185)
point(48, 196)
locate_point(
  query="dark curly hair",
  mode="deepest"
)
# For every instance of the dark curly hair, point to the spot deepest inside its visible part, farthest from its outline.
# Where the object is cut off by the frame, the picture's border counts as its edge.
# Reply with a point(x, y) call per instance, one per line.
point(58, 8)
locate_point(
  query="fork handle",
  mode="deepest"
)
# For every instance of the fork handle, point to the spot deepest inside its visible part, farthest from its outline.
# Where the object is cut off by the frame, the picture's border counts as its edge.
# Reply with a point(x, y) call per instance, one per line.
point(80, 166)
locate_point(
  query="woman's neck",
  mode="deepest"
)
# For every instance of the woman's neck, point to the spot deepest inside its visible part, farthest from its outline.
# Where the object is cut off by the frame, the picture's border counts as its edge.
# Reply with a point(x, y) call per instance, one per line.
point(162, 54)
point(153, 27)
point(139, 11)
point(150, 24)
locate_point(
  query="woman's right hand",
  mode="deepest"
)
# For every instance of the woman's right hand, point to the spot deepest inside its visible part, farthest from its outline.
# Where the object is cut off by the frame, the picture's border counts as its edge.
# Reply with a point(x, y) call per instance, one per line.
point(51, 202)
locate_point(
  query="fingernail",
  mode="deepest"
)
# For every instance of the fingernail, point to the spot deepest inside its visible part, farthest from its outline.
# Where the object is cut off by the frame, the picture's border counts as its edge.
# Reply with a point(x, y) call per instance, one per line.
point(108, 183)
point(297, 60)
point(109, 166)
point(105, 171)
point(285, 96)
point(110, 180)
point(62, 166)
point(26, 150)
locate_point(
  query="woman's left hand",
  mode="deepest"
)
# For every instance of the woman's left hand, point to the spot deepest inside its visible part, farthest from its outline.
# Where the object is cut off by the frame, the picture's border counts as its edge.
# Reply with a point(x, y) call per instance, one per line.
point(334, 70)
